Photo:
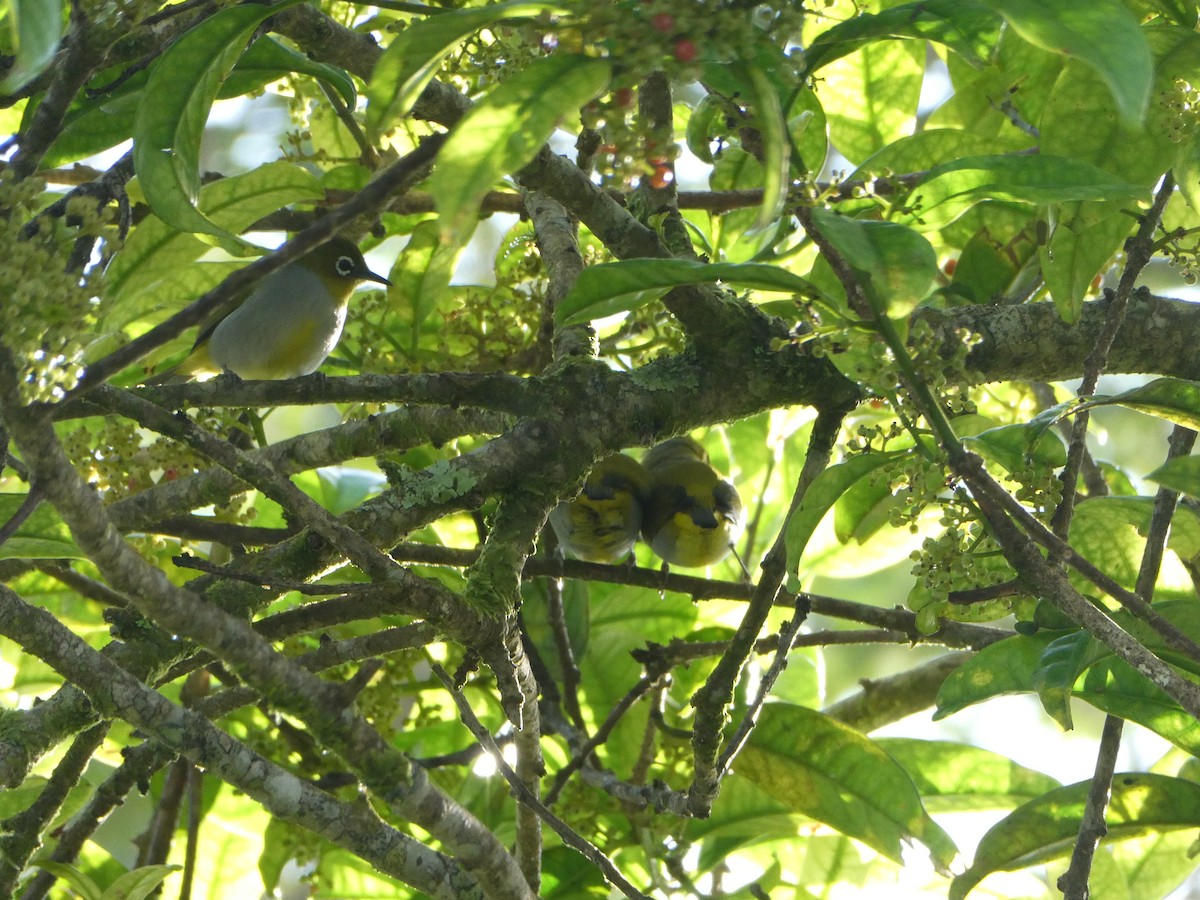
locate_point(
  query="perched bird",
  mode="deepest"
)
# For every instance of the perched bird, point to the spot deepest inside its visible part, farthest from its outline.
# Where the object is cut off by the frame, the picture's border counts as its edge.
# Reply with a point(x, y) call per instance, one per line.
point(602, 523)
point(692, 514)
point(287, 325)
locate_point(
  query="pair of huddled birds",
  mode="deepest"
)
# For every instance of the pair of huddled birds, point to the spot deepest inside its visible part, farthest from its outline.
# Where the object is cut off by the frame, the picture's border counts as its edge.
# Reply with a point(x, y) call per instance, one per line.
point(674, 498)
point(289, 324)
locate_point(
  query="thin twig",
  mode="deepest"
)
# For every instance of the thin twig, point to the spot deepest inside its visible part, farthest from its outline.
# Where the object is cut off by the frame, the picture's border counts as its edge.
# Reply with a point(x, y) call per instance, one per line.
point(569, 836)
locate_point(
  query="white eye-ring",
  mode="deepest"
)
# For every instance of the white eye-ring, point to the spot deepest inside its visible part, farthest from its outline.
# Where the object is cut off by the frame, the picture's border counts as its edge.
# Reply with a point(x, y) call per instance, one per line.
point(344, 266)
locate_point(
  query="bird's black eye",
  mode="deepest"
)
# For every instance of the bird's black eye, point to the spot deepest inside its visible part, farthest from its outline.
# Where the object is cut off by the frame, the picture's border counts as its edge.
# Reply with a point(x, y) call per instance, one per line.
point(344, 266)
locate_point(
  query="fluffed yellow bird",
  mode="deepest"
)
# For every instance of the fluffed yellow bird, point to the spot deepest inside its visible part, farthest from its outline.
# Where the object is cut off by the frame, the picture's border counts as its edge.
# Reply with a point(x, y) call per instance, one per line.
point(287, 325)
point(601, 525)
point(693, 515)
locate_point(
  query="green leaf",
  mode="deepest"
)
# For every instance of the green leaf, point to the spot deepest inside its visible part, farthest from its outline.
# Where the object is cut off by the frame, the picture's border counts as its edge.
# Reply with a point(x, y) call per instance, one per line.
point(608, 288)
point(954, 777)
point(1176, 400)
point(1016, 446)
point(871, 97)
point(43, 535)
point(1062, 662)
point(895, 265)
point(830, 772)
point(1119, 690)
point(507, 128)
point(413, 57)
point(157, 269)
point(1047, 828)
point(422, 274)
point(952, 188)
point(1005, 667)
point(967, 27)
point(139, 883)
point(1104, 34)
point(1181, 474)
point(182, 85)
point(83, 885)
point(37, 27)
point(268, 60)
point(824, 491)
point(768, 118)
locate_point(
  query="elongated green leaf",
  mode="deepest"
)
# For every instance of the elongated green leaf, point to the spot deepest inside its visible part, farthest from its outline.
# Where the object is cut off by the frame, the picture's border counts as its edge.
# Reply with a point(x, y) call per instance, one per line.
point(1016, 446)
point(1005, 667)
point(776, 158)
point(1062, 662)
point(609, 288)
point(821, 495)
point(412, 59)
point(1175, 399)
point(1104, 34)
point(139, 883)
point(422, 274)
point(1047, 828)
point(1180, 474)
point(895, 264)
point(180, 90)
point(82, 883)
point(1116, 688)
point(155, 268)
point(952, 188)
point(267, 60)
point(951, 776)
point(830, 772)
point(43, 535)
point(37, 28)
point(507, 128)
point(967, 27)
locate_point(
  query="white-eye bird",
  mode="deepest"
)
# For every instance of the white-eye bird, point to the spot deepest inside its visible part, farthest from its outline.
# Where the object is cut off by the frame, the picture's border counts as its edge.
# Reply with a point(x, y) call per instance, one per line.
point(287, 325)
point(601, 525)
point(692, 515)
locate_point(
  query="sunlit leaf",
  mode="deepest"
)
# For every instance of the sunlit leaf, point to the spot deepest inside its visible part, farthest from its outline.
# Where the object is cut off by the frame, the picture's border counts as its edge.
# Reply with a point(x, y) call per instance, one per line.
point(413, 57)
point(182, 85)
point(37, 27)
point(1048, 827)
point(506, 128)
point(968, 27)
point(830, 772)
point(895, 265)
point(1103, 33)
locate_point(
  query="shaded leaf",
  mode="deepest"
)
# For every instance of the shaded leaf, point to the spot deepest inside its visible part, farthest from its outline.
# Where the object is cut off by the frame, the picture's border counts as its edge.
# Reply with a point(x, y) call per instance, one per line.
point(1005, 667)
point(43, 535)
point(608, 288)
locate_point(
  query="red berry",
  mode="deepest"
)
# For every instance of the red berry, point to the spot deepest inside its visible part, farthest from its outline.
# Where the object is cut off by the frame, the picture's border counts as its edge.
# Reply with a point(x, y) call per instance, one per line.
point(662, 177)
point(686, 50)
point(664, 22)
point(623, 98)
point(950, 266)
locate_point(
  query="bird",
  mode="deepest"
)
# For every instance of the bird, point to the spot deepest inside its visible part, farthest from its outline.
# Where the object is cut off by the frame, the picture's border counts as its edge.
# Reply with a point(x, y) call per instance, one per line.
point(692, 514)
point(286, 326)
point(601, 525)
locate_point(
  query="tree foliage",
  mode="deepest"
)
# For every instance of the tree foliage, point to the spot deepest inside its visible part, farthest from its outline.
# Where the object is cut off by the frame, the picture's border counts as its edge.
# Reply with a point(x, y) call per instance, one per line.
point(875, 256)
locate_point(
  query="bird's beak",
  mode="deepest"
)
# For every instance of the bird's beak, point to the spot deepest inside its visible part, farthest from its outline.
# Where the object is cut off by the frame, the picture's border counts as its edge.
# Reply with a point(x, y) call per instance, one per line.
point(378, 279)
